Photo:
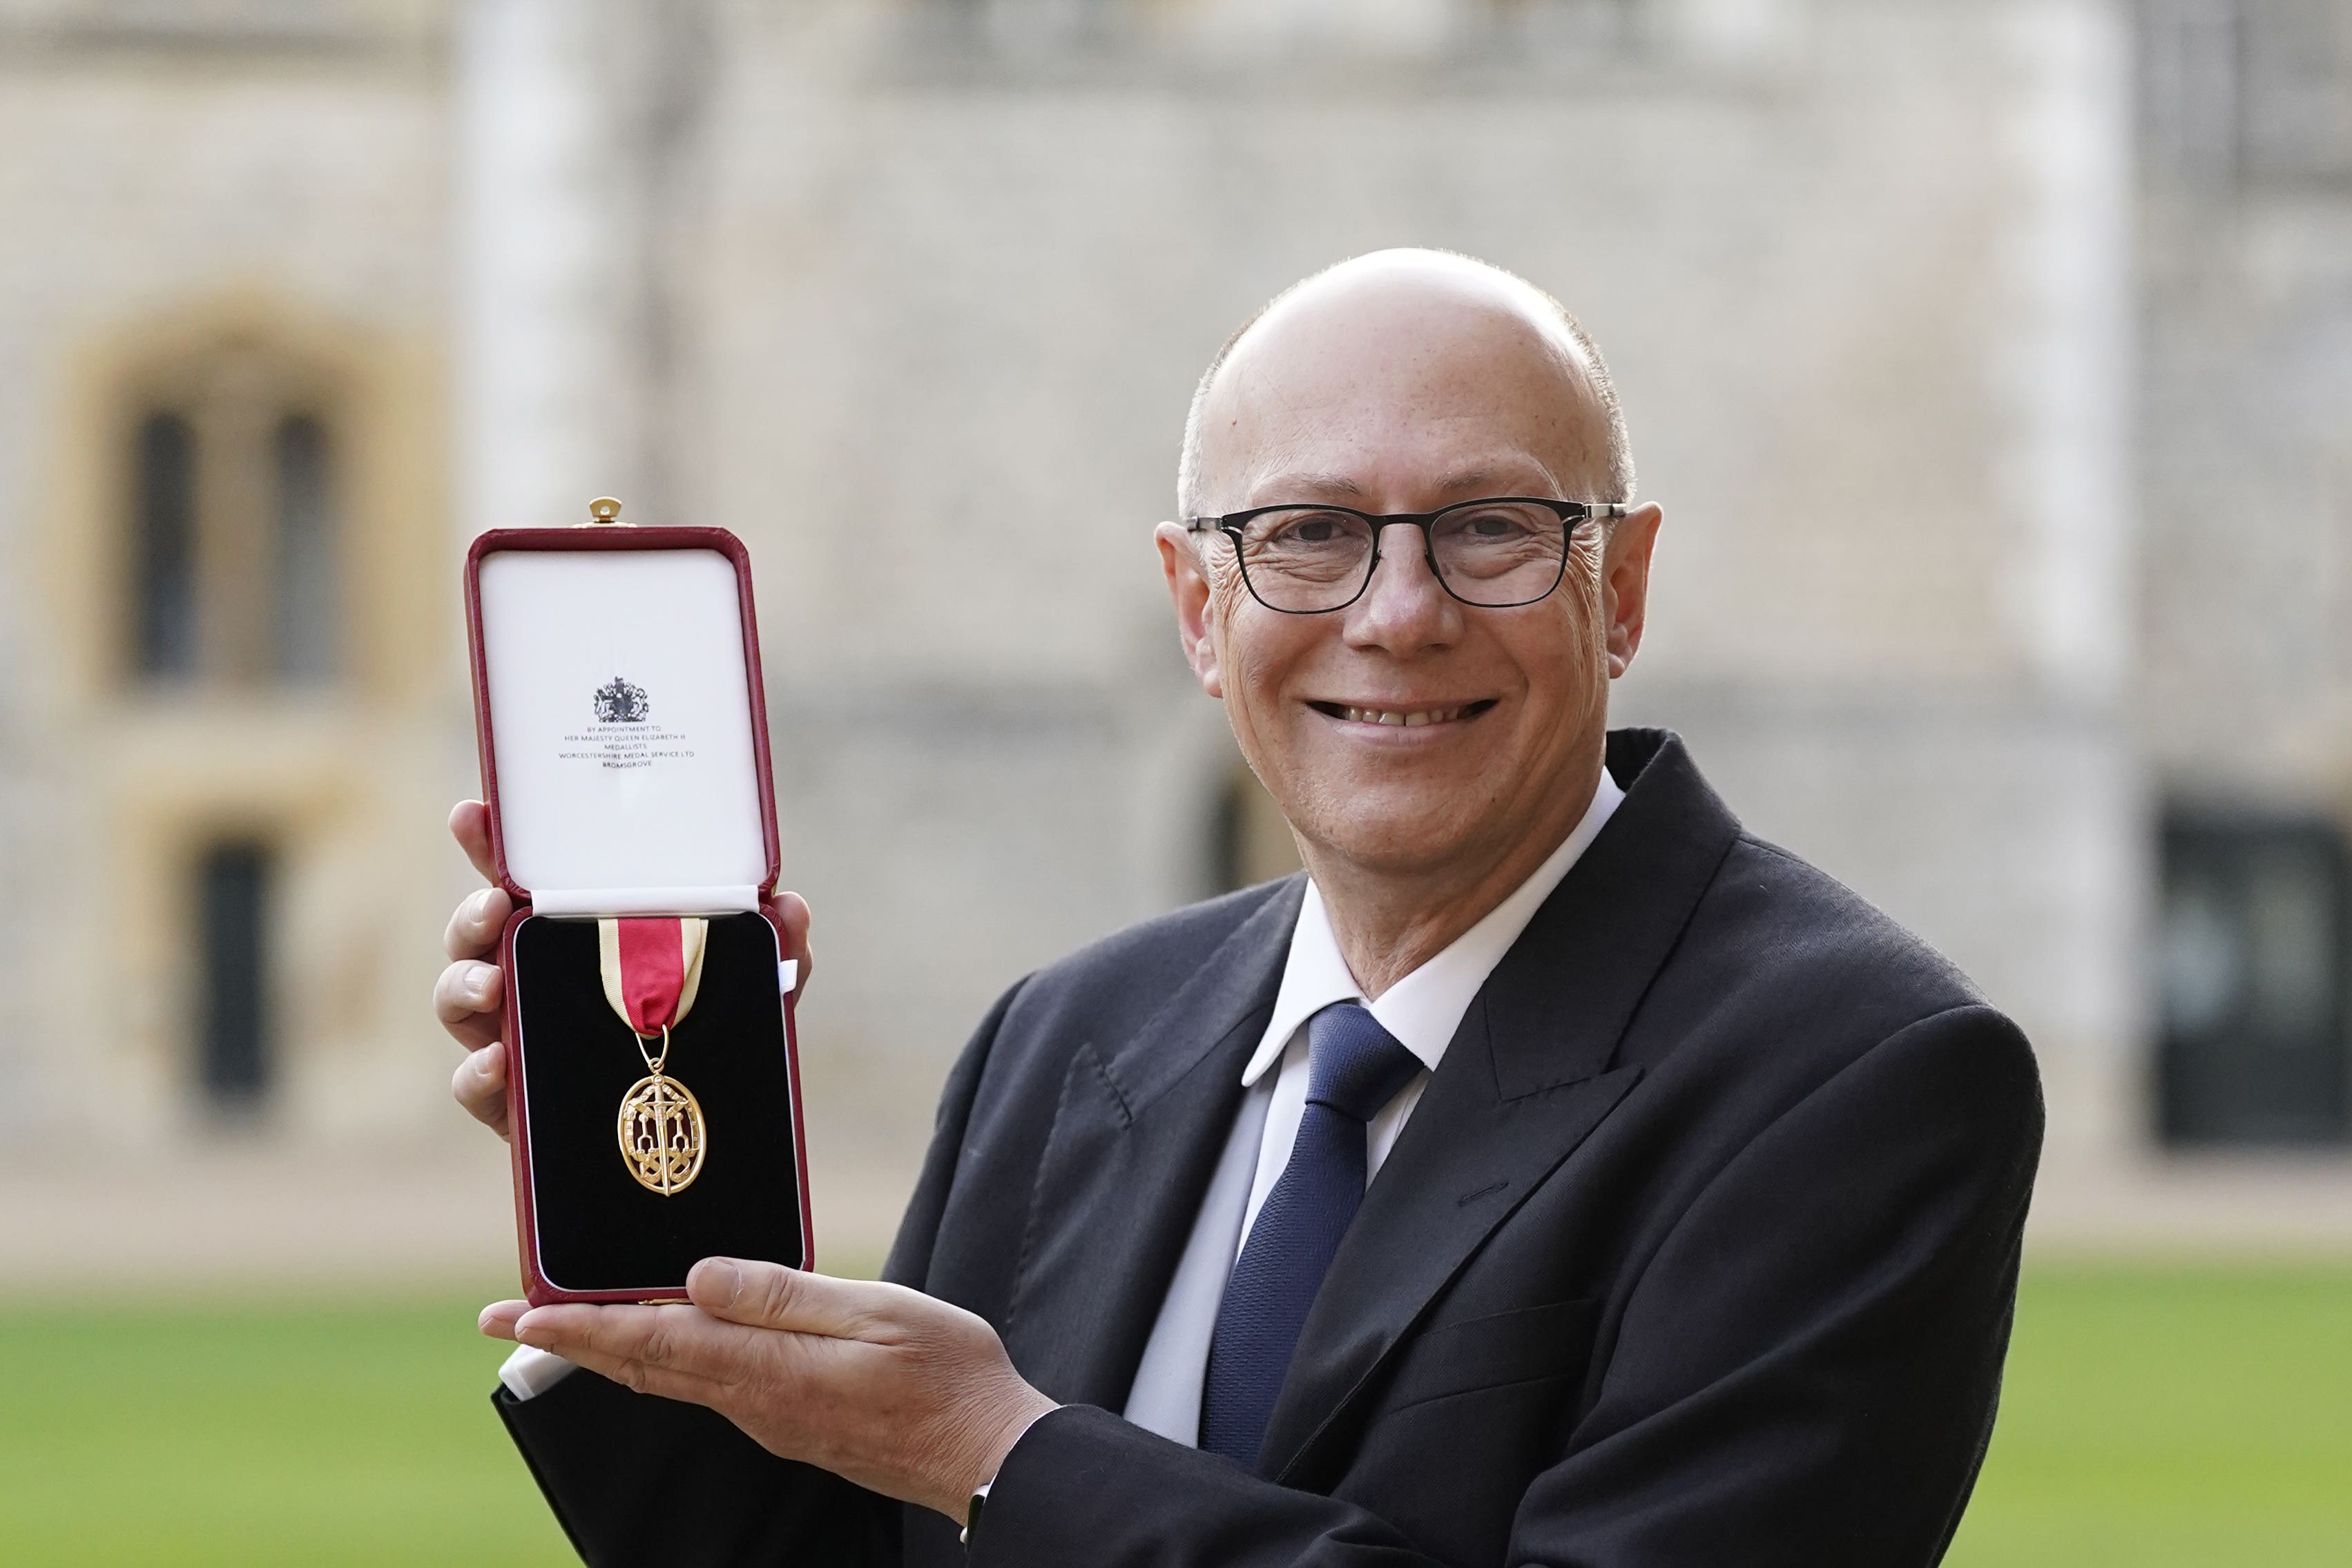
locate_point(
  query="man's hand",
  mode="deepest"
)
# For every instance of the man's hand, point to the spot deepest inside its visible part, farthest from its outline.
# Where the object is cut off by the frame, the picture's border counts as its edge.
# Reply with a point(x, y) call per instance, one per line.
point(900, 1393)
point(470, 993)
point(468, 997)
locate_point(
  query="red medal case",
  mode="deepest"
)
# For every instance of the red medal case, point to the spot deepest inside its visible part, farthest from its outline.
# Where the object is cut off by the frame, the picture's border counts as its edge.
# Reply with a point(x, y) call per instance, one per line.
point(623, 737)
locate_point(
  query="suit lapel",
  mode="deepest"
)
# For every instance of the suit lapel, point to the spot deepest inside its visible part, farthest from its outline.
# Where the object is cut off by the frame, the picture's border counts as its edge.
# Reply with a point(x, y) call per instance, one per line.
point(1523, 1083)
point(1473, 1159)
point(1134, 1144)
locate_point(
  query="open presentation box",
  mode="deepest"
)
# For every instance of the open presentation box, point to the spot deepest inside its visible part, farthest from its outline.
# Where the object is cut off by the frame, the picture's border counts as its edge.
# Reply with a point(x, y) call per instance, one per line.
point(623, 735)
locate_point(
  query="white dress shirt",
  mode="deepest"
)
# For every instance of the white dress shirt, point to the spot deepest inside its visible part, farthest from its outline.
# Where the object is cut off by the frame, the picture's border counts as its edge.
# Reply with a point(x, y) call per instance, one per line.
point(1421, 1010)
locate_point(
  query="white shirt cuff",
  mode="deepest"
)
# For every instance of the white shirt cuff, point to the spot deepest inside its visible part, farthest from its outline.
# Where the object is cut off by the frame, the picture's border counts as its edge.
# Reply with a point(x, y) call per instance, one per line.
point(529, 1371)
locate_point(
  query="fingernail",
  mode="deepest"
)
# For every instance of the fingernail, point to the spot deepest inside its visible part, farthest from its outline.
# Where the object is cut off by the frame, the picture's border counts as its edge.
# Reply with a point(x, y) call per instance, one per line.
point(479, 905)
point(726, 1280)
point(529, 1332)
point(478, 983)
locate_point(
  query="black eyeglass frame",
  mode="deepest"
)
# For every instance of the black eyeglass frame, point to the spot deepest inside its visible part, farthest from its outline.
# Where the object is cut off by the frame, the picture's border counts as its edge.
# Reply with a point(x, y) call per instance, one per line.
point(1570, 514)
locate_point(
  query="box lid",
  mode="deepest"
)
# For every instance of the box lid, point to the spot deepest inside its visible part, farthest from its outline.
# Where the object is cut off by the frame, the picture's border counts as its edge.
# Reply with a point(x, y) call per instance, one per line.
point(621, 720)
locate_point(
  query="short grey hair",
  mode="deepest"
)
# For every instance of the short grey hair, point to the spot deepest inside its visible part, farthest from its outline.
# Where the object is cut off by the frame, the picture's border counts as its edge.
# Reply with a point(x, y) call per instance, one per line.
point(1596, 371)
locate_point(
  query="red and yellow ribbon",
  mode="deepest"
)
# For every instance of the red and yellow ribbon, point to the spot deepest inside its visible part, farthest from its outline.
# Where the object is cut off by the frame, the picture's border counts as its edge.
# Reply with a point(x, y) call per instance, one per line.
point(652, 968)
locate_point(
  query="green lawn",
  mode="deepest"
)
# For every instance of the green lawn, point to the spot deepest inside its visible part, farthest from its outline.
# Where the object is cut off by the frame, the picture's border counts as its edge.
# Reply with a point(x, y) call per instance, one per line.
point(2152, 1418)
point(2177, 1417)
point(317, 1434)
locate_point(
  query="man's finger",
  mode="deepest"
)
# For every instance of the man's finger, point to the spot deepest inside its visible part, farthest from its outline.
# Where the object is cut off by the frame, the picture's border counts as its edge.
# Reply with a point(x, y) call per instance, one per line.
point(497, 1318)
point(480, 1085)
point(641, 1376)
point(575, 1332)
point(474, 929)
point(771, 1296)
point(469, 824)
point(793, 913)
point(677, 1353)
point(466, 999)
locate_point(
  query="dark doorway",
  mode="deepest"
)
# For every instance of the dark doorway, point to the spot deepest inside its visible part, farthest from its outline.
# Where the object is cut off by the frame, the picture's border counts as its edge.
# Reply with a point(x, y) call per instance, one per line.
point(237, 1061)
point(2252, 965)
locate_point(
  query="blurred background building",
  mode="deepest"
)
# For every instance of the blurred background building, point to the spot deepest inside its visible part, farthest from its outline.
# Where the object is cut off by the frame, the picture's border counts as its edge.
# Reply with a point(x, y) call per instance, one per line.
point(1993, 360)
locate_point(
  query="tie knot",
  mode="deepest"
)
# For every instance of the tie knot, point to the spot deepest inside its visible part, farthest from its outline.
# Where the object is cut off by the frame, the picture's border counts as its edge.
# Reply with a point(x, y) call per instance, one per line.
point(1353, 1065)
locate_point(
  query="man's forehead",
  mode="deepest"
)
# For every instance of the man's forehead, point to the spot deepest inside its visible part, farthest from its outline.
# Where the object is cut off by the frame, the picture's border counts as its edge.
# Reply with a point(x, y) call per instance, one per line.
point(1424, 300)
point(1433, 352)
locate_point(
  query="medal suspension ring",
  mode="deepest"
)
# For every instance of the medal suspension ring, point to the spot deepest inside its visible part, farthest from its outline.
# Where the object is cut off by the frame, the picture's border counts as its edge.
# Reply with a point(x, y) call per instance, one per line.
point(660, 1128)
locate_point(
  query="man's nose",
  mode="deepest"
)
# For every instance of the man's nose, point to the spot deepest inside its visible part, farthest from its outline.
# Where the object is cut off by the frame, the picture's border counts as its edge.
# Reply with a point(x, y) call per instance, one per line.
point(1404, 606)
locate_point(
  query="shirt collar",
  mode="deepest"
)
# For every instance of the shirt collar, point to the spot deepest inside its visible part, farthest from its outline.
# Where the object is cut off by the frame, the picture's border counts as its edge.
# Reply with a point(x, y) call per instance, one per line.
point(1424, 1007)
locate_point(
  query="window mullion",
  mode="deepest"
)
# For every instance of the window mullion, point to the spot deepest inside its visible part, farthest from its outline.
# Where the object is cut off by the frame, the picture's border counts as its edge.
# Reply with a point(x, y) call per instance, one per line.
point(234, 509)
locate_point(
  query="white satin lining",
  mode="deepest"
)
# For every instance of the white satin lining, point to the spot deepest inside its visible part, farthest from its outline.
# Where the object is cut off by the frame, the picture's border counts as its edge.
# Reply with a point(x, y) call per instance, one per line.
point(740, 899)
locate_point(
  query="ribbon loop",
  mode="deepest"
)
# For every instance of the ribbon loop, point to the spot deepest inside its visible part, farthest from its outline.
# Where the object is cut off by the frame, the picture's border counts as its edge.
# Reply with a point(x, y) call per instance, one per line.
point(652, 968)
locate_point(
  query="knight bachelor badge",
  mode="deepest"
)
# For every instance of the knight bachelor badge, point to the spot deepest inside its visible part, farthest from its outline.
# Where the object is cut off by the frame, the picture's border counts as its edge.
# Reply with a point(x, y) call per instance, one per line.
point(652, 968)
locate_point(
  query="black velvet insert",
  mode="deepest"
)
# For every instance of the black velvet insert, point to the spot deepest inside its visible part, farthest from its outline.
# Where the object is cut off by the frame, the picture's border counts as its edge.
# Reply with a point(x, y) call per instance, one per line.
point(598, 1229)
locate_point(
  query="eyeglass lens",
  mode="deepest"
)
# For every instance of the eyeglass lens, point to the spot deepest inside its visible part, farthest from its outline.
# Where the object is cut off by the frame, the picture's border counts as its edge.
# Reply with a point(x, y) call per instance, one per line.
point(1490, 553)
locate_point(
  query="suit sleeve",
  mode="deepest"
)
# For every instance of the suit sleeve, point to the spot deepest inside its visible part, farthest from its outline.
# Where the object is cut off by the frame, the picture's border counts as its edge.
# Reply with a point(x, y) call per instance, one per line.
point(909, 1262)
point(635, 1479)
point(1805, 1372)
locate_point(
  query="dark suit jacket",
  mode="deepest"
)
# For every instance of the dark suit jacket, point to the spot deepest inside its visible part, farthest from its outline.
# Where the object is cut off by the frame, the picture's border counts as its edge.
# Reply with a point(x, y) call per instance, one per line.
point(1700, 1248)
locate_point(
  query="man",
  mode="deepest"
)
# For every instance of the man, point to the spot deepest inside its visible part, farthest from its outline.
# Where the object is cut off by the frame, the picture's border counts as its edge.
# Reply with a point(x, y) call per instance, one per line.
point(1552, 1175)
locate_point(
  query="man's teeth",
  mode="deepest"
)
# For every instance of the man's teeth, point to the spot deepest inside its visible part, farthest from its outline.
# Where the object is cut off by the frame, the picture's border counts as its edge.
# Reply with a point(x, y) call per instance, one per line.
point(1402, 720)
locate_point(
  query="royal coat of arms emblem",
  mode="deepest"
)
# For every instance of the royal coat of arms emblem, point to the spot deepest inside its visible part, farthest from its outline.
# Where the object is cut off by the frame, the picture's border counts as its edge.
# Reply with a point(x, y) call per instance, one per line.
point(622, 702)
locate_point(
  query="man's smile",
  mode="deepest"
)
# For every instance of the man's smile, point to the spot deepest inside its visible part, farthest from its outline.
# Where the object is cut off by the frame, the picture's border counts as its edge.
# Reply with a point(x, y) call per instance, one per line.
point(1400, 716)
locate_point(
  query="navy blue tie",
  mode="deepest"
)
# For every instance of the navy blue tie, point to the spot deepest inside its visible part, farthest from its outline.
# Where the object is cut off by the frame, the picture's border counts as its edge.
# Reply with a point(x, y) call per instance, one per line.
point(1353, 1068)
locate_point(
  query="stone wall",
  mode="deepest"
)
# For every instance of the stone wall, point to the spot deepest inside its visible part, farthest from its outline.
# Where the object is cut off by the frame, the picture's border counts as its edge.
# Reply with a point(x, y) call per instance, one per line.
point(911, 297)
point(179, 180)
point(1864, 298)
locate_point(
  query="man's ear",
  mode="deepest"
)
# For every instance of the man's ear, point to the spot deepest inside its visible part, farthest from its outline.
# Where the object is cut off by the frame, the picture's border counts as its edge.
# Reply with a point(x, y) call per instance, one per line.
point(1625, 583)
point(1189, 591)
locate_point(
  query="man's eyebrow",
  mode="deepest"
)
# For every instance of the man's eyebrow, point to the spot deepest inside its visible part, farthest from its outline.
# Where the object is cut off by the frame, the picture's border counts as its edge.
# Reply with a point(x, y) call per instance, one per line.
point(1308, 485)
point(1277, 488)
point(1485, 477)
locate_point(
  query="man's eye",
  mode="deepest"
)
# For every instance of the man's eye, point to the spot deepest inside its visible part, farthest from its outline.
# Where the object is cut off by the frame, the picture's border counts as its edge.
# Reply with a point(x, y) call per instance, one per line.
point(1315, 528)
point(1494, 526)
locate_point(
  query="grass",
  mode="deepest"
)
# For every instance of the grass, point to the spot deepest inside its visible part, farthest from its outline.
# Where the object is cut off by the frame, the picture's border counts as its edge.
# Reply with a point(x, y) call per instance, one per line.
point(320, 1433)
point(2153, 1416)
point(2158, 1416)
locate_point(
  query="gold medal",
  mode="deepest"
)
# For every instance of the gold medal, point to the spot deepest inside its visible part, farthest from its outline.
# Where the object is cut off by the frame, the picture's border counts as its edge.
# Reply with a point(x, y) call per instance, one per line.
point(652, 969)
point(660, 1127)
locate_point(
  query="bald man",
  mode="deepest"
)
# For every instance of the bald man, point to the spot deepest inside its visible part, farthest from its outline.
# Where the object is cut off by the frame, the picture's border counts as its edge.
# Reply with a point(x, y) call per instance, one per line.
point(1552, 1174)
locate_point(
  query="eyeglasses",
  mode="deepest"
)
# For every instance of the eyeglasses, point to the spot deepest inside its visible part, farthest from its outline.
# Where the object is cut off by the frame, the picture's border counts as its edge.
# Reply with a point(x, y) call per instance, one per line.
point(1495, 554)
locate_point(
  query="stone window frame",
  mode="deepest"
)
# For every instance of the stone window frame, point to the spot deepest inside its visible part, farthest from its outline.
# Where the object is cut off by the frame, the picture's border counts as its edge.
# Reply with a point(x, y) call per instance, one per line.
point(387, 402)
point(156, 775)
point(239, 399)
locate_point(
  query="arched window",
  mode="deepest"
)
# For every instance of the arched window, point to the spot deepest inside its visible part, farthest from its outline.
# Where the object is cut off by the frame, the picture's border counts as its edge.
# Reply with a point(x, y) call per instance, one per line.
point(235, 560)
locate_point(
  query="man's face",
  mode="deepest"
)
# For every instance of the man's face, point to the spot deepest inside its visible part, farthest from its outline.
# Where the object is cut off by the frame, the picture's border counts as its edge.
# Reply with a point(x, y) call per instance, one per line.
point(1410, 732)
